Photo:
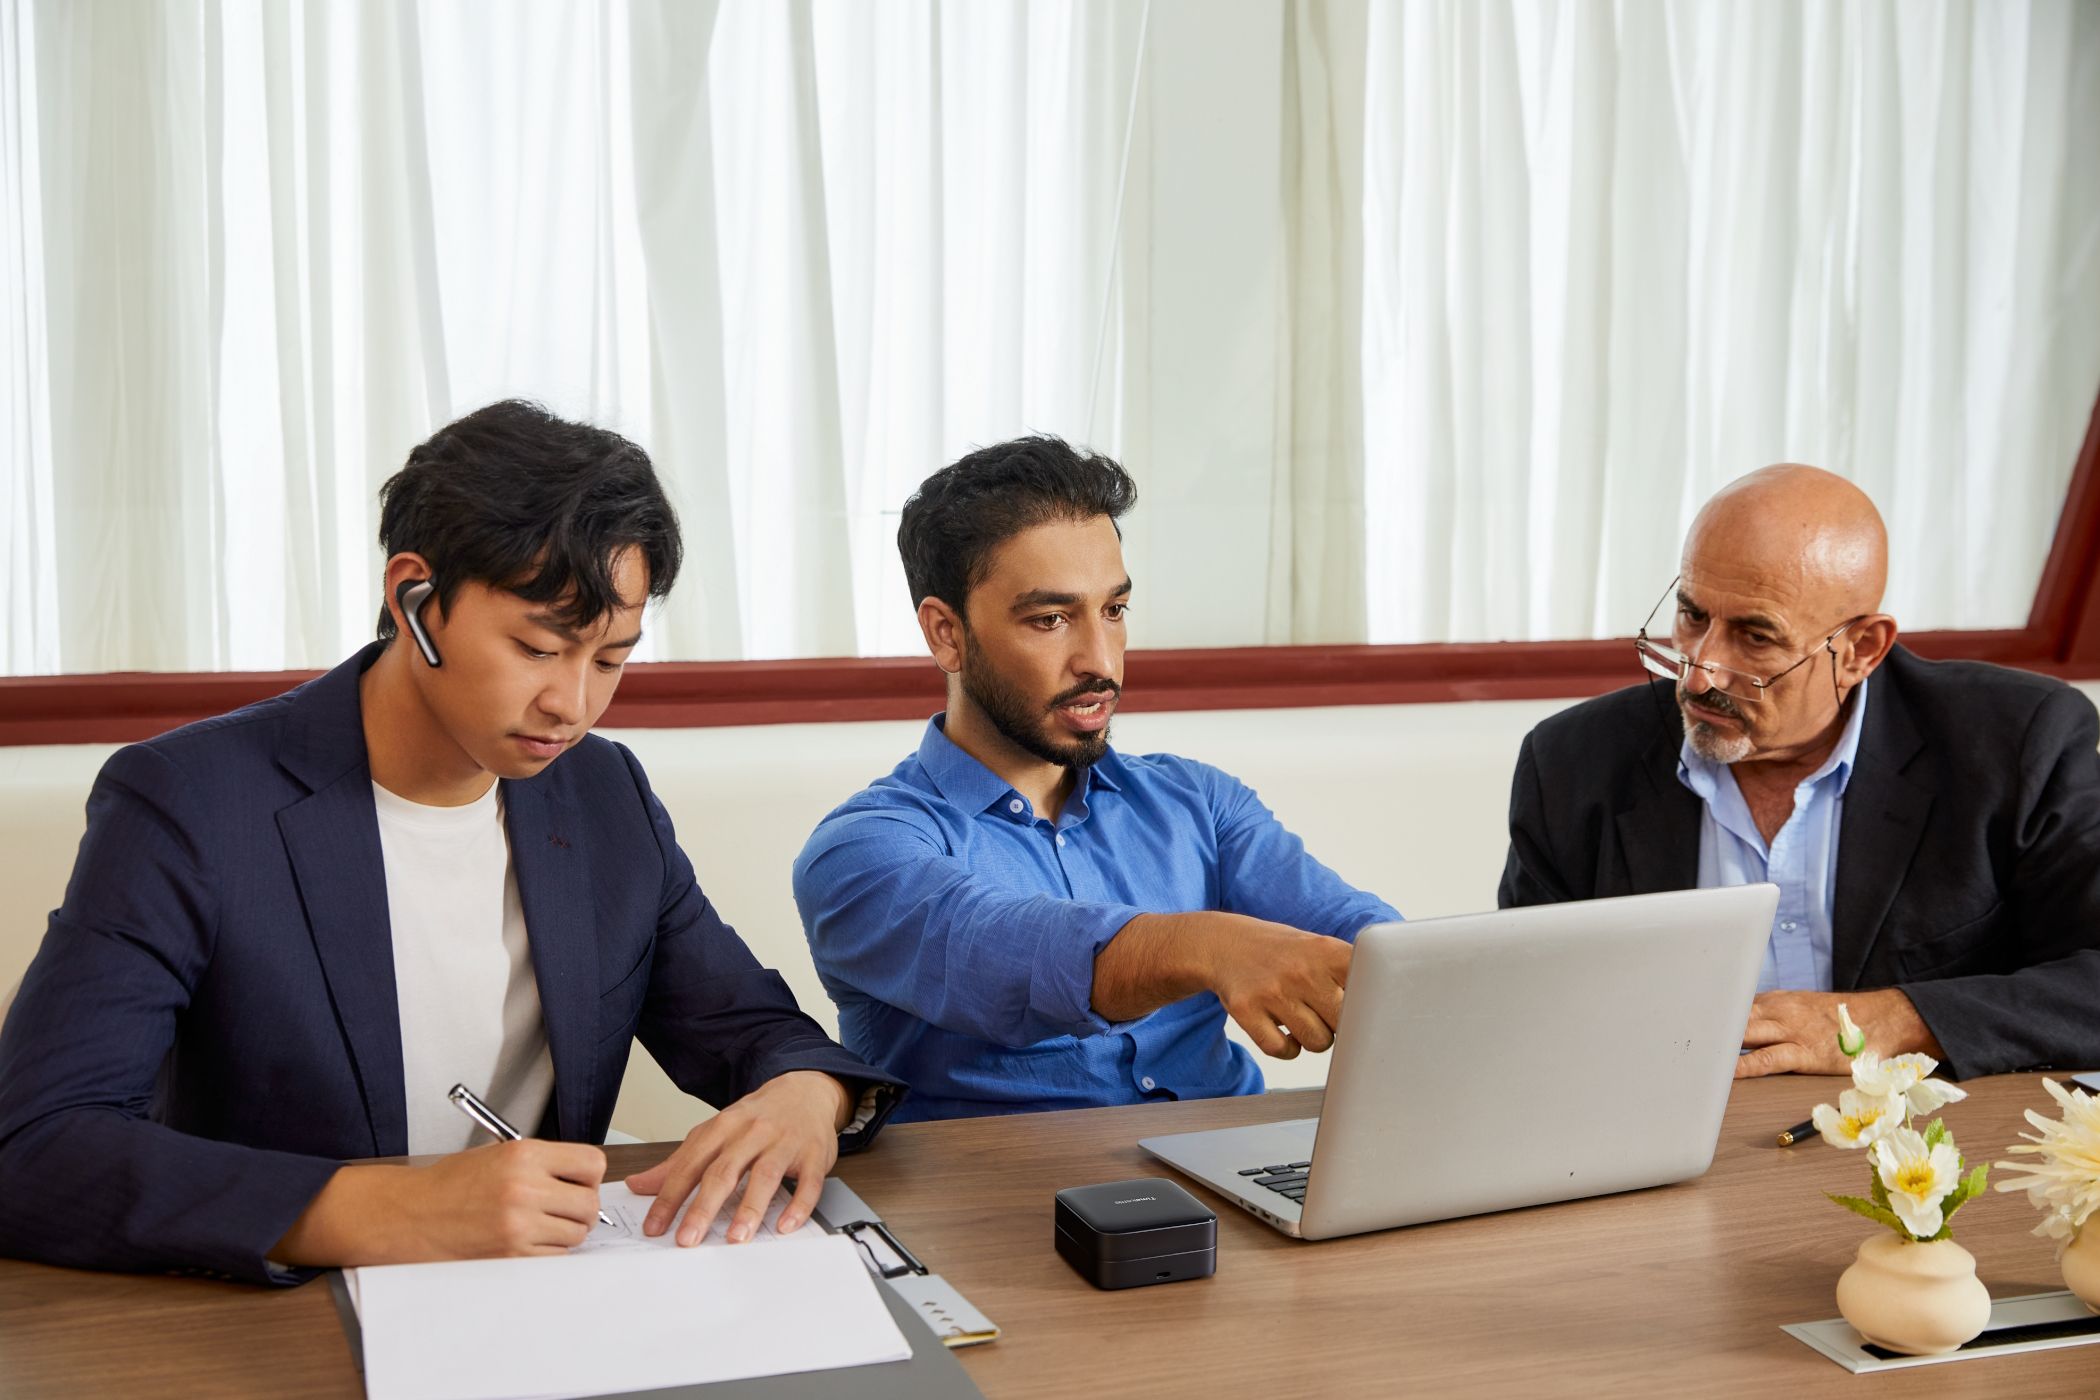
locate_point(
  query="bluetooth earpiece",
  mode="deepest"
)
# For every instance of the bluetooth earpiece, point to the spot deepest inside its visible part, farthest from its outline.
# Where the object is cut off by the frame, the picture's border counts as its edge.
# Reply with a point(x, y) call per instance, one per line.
point(412, 595)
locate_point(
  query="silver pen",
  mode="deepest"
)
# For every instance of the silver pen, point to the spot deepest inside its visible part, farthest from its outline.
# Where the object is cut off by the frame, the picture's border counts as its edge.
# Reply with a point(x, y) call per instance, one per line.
point(469, 1103)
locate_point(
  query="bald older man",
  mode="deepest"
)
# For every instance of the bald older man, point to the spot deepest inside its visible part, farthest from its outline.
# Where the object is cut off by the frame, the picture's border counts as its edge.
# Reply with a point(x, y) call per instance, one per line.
point(1933, 827)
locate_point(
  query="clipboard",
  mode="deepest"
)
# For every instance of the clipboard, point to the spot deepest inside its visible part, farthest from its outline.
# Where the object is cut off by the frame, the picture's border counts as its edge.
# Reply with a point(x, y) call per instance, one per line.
point(932, 1299)
point(929, 1312)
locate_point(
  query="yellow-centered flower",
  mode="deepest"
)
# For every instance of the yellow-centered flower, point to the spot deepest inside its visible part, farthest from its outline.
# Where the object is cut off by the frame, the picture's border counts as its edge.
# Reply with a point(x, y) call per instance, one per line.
point(1917, 1178)
point(1907, 1077)
point(1859, 1120)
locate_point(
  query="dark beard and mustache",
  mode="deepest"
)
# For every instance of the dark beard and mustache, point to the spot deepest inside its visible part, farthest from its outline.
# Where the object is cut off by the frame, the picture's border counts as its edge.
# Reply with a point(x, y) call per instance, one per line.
point(1708, 742)
point(1017, 718)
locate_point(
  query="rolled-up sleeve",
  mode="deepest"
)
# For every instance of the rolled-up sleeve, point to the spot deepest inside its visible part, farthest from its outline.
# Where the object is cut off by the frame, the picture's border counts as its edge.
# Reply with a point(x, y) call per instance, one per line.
point(1264, 870)
point(892, 914)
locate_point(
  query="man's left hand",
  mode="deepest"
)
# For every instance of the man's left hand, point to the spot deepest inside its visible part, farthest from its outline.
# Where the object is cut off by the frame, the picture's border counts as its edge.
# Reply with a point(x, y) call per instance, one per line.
point(1797, 1032)
point(787, 1127)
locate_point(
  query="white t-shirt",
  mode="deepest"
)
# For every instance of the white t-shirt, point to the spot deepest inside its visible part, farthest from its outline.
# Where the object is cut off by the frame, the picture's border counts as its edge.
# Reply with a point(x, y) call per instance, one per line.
point(470, 1009)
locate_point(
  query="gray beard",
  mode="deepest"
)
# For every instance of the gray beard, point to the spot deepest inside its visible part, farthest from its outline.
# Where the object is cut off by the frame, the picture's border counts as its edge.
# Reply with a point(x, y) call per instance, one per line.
point(1710, 744)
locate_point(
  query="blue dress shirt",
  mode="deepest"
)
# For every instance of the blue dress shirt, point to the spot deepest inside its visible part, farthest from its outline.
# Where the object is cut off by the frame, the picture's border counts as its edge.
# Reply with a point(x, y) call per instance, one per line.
point(956, 927)
point(1802, 858)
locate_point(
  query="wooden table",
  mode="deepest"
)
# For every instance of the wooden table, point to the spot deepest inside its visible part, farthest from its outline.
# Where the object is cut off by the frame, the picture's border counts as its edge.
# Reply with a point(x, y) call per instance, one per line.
point(1675, 1291)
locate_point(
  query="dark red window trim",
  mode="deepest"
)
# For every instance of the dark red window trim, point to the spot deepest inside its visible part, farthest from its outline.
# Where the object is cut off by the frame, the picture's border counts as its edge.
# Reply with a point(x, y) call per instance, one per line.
point(2062, 637)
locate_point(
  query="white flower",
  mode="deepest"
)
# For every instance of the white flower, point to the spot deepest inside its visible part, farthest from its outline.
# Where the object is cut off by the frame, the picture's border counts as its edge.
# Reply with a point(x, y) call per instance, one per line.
point(2066, 1182)
point(1871, 1076)
point(1851, 1039)
point(1929, 1096)
point(1859, 1120)
point(2056, 1226)
point(1905, 1077)
point(1917, 1178)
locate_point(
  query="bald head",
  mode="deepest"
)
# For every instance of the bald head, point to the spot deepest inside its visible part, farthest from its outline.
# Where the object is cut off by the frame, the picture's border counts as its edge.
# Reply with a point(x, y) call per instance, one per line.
point(1795, 533)
point(1782, 569)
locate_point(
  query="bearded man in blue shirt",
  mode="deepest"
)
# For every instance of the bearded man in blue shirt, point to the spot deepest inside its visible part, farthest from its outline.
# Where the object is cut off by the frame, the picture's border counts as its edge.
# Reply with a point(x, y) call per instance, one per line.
point(1018, 917)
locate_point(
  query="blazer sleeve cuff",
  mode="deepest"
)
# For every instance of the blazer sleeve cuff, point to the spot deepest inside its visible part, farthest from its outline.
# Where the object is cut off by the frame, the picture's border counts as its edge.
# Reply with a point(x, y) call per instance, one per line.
point(877, 1102)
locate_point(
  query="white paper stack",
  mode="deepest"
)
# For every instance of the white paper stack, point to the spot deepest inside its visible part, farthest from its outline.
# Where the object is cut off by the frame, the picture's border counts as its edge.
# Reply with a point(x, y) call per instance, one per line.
point(604, 1321)
point(628, 1211)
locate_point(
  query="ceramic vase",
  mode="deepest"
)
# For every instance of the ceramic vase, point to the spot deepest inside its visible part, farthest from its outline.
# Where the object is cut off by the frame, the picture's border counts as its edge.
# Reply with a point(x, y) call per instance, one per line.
point(1921, 1299)
point(2081, 1264)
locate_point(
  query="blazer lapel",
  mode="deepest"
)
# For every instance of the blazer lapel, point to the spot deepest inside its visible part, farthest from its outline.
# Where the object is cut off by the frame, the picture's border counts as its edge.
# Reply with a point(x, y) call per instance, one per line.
point(550, 859)
point(1659, 833)
point(332, 839)
point(1885, 813)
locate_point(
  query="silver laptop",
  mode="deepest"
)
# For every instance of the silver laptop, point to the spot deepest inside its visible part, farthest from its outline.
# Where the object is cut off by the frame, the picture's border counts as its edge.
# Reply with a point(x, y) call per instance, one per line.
point(1509, 1059)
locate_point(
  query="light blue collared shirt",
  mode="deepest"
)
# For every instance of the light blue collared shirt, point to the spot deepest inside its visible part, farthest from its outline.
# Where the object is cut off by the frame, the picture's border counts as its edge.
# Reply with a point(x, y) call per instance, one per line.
point(956, 926)
point(1802, 858)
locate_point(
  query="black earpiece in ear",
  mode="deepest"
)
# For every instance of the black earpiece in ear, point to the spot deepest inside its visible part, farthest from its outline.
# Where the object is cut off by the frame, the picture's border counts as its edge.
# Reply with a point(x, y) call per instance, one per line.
point(412, 595)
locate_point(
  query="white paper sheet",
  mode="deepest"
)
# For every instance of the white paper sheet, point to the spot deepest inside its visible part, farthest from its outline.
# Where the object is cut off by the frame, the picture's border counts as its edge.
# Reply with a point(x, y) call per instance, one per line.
point(629, 1210)
point(603, 1321)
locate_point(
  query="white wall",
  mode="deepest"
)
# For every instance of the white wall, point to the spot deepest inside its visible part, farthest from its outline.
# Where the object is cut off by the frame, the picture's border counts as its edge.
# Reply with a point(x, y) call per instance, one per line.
point(1407, 800)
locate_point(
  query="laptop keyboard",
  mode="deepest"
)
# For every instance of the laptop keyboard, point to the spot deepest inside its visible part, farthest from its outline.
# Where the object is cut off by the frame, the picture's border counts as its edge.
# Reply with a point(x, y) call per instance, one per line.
point(1286, 1179)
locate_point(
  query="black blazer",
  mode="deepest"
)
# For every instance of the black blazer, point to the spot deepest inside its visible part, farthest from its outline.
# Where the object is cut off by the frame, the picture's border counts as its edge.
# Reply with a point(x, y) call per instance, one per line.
point(211, 1027)
point(1968, 851)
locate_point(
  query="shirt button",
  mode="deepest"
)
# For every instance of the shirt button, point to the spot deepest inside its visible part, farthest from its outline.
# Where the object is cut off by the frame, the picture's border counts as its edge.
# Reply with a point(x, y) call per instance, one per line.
point(1788, 925)
point(1147, 1083)
point(1016, 806)
point(1060, 840)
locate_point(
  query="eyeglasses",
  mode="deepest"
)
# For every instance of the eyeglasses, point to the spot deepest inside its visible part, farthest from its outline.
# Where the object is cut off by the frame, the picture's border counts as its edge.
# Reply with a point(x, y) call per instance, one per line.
point(1674, 665)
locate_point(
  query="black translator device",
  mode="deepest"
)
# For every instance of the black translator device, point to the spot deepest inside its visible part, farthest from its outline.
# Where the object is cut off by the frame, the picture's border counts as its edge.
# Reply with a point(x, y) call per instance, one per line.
point(1126, 1234)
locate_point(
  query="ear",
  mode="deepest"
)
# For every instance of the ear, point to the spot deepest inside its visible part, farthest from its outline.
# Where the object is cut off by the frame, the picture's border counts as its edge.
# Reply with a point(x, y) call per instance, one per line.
point(400, 569)
point(946, 636)
point(1867, 647)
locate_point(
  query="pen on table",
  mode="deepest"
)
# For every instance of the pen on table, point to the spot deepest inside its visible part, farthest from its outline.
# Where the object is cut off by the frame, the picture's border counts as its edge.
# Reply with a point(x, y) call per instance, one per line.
point(1798, 1133)
point(469, 1103)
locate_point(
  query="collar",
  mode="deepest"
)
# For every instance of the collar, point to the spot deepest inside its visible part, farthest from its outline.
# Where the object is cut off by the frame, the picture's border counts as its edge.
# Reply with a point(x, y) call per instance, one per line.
point(324, 732)
point(1703, 775)
point(973, 787)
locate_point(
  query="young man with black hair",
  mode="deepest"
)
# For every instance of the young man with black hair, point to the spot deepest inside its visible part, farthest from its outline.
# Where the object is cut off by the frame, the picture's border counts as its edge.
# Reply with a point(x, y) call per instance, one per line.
point(291, 929)
point(1019, 917)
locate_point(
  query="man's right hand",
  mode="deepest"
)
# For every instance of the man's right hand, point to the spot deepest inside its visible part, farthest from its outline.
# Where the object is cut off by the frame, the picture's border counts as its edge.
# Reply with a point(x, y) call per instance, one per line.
point(1283, 985)
point(508, 1198)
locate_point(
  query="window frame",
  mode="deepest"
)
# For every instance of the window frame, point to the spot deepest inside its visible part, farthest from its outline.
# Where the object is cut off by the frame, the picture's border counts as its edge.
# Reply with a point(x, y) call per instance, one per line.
point(2061, 638)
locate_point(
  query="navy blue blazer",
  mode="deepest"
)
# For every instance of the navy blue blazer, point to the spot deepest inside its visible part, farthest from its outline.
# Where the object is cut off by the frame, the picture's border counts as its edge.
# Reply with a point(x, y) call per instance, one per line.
point(210, 1027)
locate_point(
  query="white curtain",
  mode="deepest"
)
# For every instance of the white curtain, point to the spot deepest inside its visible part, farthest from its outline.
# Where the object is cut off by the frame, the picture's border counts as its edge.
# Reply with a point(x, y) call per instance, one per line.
point(1620, 254)
point(1416, 320)
point(223, 327)
point(805, 252)
point(941, 279)
point(28, 529)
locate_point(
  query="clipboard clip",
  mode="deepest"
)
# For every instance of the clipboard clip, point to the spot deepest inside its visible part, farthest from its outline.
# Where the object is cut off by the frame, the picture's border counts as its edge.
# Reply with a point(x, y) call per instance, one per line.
point(932, 1299)
point(911, 1265)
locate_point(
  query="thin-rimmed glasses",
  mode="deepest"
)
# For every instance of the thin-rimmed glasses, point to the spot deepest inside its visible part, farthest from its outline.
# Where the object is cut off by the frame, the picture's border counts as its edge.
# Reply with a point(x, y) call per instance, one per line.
point(1674, 665)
